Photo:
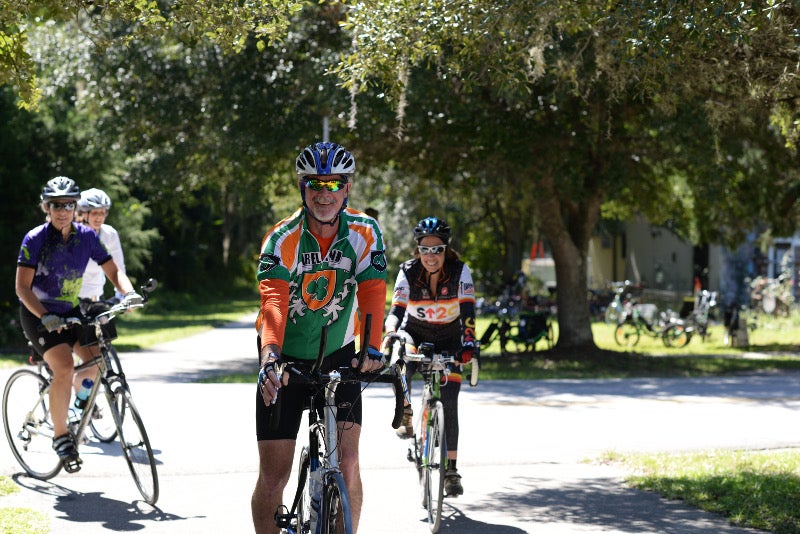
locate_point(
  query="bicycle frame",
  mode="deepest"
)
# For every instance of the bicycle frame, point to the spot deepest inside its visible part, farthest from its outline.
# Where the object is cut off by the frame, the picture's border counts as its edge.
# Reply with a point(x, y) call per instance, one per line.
point(428, 450)
point(30, 436)
point(321, 502)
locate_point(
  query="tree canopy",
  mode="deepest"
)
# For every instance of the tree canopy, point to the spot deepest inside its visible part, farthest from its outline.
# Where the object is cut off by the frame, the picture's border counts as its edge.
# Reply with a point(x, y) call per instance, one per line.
point(522, 119)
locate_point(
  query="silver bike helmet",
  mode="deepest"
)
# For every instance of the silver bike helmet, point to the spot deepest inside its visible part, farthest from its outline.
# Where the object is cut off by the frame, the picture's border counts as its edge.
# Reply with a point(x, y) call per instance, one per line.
point(61, 187)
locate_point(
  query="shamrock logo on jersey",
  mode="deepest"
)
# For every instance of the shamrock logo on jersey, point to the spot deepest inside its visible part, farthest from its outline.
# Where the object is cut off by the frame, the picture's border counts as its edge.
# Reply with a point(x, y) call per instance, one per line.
point(318, 288)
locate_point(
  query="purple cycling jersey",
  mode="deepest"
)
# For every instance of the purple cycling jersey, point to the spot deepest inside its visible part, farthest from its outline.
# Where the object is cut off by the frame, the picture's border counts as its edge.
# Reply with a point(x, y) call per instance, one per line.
point(60, 264)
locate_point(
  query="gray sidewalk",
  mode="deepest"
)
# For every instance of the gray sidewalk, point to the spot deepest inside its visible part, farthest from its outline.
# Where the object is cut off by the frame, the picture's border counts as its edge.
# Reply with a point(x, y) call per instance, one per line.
point(526, 450)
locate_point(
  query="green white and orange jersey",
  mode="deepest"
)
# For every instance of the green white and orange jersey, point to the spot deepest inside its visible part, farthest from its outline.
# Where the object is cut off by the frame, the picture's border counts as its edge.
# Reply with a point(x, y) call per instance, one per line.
point(325, 280)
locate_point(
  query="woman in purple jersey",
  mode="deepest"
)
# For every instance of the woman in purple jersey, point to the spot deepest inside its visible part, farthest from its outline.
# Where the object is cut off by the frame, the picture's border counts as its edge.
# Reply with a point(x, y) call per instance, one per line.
point(50, 267)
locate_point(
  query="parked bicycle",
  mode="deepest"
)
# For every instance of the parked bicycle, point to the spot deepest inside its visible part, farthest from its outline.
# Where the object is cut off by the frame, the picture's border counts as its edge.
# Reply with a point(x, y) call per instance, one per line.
point(428, 451)
point(680, 331)
point(109, 411)
point(634, 322)
point(321, 504)
point(518, 330)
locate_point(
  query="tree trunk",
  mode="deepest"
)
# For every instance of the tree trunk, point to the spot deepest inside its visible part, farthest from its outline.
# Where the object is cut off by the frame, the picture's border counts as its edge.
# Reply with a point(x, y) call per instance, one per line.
point(568, 229)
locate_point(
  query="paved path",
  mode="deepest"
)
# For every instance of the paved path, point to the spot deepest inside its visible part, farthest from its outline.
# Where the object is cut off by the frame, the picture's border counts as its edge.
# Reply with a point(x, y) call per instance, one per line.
point(526, 451)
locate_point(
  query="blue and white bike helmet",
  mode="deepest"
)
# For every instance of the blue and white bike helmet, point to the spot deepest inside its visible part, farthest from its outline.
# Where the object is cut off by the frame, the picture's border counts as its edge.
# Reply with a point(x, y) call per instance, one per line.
point(326, 159)
point(433, 226)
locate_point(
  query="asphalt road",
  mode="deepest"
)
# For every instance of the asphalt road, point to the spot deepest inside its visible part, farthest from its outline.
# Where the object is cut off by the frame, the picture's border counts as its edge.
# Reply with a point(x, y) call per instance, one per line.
point(529, 451)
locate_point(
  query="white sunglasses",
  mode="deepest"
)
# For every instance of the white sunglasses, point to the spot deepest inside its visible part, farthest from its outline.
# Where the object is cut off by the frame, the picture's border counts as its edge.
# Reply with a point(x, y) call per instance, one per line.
point(437, 249)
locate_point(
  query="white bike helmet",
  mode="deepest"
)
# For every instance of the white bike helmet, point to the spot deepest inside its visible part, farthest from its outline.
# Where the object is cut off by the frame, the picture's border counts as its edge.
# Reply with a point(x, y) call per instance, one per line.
point(93, 199)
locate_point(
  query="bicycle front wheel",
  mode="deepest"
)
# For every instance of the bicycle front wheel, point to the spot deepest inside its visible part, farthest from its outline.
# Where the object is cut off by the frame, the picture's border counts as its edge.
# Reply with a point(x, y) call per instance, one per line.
point(335, 517)
point(435, 450)
point(28, 424)
point(304, 501)
point(102, 423)
point(136, 446)
point(676, 335)
point(626, 334)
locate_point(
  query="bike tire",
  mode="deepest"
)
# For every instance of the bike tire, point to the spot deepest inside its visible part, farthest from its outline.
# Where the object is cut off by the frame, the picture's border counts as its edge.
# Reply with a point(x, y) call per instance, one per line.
point(435, 450)
point(676, 335)
point(102, 422)
point(304, 500)
point(626, 334)
point(136, 447)
point(335, 517)
point(28, 424)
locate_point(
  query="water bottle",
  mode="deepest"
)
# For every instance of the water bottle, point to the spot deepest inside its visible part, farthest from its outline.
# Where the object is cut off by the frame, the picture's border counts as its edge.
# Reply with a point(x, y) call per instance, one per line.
point(315, 487)
point(83, 394)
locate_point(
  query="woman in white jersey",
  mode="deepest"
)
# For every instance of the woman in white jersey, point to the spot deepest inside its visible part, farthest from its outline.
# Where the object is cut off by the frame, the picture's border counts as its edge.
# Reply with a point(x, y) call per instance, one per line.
point(92, 211)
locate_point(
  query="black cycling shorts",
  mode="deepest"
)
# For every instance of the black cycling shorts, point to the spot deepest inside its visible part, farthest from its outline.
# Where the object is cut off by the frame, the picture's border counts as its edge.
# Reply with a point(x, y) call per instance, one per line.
point(295, 399)
point(40, 338)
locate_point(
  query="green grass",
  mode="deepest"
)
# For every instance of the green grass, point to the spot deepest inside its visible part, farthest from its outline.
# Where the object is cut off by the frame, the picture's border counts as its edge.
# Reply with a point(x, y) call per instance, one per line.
point(20, 520)
point(756, 489)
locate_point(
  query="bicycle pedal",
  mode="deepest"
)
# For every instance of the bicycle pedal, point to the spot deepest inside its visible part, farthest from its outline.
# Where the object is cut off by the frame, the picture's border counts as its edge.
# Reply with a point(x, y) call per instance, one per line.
point(72, 465)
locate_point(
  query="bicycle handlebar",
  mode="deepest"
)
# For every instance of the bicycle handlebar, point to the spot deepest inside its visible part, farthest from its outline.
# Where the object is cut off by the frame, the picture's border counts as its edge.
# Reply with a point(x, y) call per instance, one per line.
point(297, 371)
point(430, 359)
point(96, 313)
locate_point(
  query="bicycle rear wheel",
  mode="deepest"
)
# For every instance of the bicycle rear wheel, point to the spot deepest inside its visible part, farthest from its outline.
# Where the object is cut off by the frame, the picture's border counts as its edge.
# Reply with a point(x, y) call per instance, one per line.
point(626, 334)
point(136, 447)
point(435, 450)
point(336, 517)
point(102, 422)
point(28, 424)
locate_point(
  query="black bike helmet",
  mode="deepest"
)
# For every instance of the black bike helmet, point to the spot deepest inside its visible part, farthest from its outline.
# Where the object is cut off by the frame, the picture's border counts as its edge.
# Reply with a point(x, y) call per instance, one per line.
point(61, 187)
point(433, 226)
point(326, 159)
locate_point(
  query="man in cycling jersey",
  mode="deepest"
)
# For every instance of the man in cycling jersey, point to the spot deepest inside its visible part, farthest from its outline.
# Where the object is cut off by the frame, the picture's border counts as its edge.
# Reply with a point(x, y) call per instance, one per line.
point(434, 302)
point(324, 265)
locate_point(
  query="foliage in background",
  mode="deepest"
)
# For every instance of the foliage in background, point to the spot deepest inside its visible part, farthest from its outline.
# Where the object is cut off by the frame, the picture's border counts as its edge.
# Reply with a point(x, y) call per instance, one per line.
point(514, 121)
point(227, 24)
point(633, 107)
